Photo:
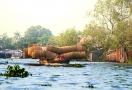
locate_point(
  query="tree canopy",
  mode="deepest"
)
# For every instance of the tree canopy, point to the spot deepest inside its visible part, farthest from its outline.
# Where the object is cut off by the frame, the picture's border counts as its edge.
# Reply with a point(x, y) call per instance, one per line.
point(37, 34)
point(5, 42)
point(111, 26)
point(33, 35)
point(67, 37)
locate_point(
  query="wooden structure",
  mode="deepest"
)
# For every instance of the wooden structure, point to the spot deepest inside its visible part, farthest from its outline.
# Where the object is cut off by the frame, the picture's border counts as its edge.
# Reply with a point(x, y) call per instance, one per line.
point(117, 55)
point(96, 55)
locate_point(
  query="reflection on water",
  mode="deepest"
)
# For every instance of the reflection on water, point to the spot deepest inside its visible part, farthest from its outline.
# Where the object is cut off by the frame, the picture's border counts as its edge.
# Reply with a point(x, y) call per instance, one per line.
point(103, 76)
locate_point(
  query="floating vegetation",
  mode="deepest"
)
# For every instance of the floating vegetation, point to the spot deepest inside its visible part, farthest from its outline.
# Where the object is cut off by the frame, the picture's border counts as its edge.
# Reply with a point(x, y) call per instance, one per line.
point(45, 85)
point(55, 75)
point(89, 86)
point(6, 62)
point(15, 71)
point(74, 65)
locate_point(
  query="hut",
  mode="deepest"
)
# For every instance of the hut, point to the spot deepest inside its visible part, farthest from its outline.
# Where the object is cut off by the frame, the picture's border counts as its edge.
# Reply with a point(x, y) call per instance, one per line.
point(117, 55)
point(96, 55)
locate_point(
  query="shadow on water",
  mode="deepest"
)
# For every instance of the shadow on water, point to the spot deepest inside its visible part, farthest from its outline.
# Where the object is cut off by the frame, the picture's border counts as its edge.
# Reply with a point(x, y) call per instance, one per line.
point(95, 75)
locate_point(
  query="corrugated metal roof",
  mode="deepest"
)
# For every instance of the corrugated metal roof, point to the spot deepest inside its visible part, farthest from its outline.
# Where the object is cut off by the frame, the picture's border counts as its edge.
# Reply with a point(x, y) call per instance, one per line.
point(12, 51)
point(9, 51)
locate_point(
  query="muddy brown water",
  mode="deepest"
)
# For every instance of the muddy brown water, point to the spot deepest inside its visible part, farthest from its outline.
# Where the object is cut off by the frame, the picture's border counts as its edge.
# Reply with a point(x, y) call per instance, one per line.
point(101, 75)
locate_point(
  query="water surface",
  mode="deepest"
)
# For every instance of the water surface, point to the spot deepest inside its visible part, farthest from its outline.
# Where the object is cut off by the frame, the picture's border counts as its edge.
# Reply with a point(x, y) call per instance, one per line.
point(101, 75)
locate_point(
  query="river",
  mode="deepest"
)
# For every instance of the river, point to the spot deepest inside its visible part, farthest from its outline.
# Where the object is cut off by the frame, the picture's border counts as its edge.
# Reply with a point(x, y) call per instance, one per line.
point(101, 75)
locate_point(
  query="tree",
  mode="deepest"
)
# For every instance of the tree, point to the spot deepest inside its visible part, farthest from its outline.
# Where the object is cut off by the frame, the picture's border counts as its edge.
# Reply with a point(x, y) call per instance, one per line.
point(17, 36)
point(67, 37)
point(6, 42)
point(37, 34)
point(51, 41)
point(17, 39)
point(113, 16)
point(98, 35)
point(123, 33)
point(111, 25)
point(109, 12)
point(43, 39)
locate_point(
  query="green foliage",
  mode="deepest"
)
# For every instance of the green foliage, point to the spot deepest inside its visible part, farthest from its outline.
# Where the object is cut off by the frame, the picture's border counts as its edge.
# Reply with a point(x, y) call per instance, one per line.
point(46, 85)
point(43, 39)
point(129, 61)
point(67, 38)
point(111, 27)
point(123, 32)
point(6, 42)
point(37, 34)
point(34, 34)
point(17, 36)
point(15, 71)
point(16, 40)
point(73, 65)
point(51, 41)
point(113, 16)
point(99, 37)
point(107, 13)
point(89, 86)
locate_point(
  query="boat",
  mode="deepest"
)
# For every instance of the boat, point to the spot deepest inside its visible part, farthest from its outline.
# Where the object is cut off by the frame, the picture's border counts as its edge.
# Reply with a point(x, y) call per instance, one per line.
point(58, 59)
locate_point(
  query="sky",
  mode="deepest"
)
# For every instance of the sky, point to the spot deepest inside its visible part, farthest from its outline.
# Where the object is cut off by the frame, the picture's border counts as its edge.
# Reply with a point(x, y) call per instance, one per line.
point(55, 15)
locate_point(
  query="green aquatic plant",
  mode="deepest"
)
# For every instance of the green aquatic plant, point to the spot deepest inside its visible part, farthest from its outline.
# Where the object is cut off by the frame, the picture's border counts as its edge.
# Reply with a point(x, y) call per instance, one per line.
point(73, 65)
point(15, 71)
point(89, 86)
point(46, 85)
point(55, 75)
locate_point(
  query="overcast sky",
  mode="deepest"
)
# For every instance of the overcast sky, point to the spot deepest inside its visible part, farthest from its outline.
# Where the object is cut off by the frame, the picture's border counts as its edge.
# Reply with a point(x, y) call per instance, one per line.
point(55, 15)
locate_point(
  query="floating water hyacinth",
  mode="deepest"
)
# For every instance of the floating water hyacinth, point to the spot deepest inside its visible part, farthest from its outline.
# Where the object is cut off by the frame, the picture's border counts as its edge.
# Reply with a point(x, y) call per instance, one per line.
point(74, 65)
point(15, 71)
